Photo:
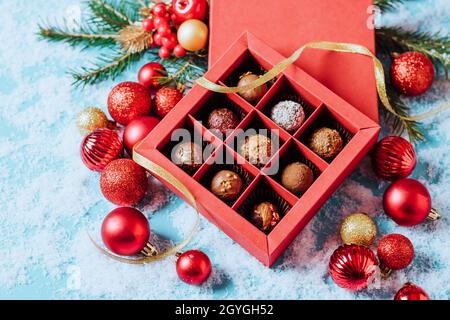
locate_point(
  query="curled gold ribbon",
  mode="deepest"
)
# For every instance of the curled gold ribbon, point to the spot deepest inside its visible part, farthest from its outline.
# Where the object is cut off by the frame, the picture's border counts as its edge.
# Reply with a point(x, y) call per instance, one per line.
point(332, 46)
point(153, 168)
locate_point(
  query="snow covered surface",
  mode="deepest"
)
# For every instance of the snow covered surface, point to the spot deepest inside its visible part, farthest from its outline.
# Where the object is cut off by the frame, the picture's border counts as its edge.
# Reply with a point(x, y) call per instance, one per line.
point(48, 200)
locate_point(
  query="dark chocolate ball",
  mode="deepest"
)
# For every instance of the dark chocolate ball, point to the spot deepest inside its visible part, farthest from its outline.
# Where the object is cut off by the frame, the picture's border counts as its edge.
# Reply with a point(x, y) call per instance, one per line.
point(265, 216)
point(223, 120)
point(326, 143)
point(227, 185)
point(252, 95)
point(257, 149)
point(297, 177)
point(289, 115)
point(188, 155)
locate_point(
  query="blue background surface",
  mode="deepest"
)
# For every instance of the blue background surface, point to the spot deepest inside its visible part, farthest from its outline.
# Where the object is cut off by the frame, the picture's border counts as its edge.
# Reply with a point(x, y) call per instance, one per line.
point(48, 199)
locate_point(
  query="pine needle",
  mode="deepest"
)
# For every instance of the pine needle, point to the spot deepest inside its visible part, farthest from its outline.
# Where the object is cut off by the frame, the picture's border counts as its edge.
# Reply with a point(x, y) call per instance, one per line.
point(387, 5)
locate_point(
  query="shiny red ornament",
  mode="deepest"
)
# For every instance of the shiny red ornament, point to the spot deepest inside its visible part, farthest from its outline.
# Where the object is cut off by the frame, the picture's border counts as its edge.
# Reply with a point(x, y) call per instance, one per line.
point(412, 73)
point(411, 292)
point(189, 9)
point(125, 231)
point(408, 203)
point(166, 99)
point(150, 73)
point(99, 148)
point(394, 158)
point(194, 267)
point(352, 267)
point(129, 100)
point(395, 252)
point(137, 130)
point(124, 182)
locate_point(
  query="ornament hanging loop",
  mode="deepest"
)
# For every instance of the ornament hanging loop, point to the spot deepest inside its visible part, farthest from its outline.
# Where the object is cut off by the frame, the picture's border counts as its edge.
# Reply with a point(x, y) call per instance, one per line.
point(150, 250)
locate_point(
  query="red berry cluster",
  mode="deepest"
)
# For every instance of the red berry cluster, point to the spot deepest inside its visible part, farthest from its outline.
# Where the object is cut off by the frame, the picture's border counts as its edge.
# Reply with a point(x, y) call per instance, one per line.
point(162, 24)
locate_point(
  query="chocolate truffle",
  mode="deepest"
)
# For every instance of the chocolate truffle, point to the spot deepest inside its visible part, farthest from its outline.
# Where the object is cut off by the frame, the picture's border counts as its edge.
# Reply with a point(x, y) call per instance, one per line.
point(188, 156)
point(297, 177)
point(253, 95)
point(265, 216)
point(227, 185)
point(222, 120)
point(326, 143)
point(257, 149)
point(289, 115)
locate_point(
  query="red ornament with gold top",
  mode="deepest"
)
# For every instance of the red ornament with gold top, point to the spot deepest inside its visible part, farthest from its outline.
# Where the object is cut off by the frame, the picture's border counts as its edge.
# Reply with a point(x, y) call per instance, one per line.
point(410, 291)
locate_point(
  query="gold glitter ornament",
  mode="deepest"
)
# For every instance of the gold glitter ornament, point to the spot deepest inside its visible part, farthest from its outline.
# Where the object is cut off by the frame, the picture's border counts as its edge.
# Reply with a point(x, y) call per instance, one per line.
point(358, 228)
point(91, 119)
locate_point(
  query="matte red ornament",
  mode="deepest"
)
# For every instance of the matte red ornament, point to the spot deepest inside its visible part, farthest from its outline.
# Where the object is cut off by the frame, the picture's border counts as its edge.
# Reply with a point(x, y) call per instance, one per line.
point(410, 291)
point(412, 73)
point(125, 231)
point(124, 182)
point(137, 130)
point(394, 158)
point(408, 203)
point(352, 267)
point(189, 9)
point(129, 100)
point(166, 99)
point(194, 267)
point(395, 252)
point(99, 148)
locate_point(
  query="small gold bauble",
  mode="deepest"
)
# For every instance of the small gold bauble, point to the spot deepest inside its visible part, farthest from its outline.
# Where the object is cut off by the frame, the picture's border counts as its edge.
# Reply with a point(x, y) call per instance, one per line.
point(358, 228)
point(193, 35)
point(91, 119)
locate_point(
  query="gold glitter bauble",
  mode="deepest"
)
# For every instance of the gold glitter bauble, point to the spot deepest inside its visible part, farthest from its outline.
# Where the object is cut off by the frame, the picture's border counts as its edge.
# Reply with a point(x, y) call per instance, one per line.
point(91, 119)
point(358, 228)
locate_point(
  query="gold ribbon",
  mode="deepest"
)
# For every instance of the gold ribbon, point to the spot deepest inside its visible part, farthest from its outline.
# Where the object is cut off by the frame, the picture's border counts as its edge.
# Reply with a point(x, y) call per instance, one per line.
point(155, 169)
point(332, 46)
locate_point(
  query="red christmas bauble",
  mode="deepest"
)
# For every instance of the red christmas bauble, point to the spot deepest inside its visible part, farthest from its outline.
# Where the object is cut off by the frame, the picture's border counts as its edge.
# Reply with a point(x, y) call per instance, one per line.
point(395, 251)
point(99, 148)
point(352, 267)
point(125, 231)
point(411, 292)
point(166, 99)
point(394, 158)
point(412, 73)
point(194, 267)
point(137, 130)
point(124, 182)
point(149, 74)
point(129, 100)
point(407, 202)
point(189, 9)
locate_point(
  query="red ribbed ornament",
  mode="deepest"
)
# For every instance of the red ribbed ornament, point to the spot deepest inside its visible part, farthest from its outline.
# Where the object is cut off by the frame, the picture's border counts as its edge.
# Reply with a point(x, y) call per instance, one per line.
point(99, 148)
point(393, 158)
point(352, 267)
point(411, 292)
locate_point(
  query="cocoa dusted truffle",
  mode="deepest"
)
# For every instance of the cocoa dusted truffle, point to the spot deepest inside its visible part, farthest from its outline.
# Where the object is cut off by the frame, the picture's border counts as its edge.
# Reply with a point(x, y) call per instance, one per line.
point(265, 216)
point(188, 155)
point(252, 95)
point(222, 120)
point(288, 114)
point(297, 177)
point(227, 185)
point(257, 149)
point(326, 143)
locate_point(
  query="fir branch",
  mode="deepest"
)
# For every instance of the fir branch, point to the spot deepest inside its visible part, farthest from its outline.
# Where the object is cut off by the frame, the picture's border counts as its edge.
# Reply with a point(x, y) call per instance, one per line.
point(435, 46)
point(85, 36)
point(108, 67)
point(387, 5)
point(107, 15)
point(399, 125)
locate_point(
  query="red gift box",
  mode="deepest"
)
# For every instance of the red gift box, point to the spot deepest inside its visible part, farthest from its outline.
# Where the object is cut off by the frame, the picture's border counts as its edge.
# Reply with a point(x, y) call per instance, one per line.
point(286, 25)
point(322, 107)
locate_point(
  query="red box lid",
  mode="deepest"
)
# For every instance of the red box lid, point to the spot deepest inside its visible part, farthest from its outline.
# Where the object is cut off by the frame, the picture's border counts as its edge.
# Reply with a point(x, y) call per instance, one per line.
point(286, 25)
